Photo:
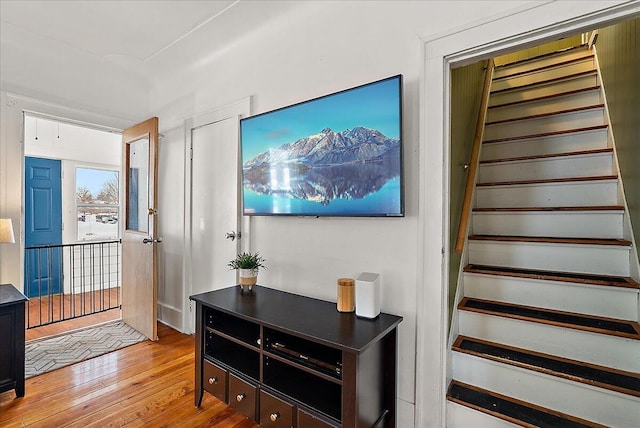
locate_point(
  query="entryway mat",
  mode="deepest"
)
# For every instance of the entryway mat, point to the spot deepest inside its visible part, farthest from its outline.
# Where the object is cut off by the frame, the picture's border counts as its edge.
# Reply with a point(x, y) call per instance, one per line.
point(49, 354)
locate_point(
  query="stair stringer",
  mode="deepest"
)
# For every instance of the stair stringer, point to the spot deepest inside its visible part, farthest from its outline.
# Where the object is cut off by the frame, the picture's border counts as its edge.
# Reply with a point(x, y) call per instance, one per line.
point(454, 327)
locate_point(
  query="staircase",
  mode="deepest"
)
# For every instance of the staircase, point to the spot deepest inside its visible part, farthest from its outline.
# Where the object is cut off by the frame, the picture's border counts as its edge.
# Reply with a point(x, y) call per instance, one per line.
point(547, 327)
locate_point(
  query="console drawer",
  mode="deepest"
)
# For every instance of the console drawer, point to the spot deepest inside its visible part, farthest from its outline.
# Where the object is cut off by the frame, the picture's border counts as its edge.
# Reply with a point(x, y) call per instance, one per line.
point(275, 413)
point(306, 420)
point(242, 396)
point(214, 380)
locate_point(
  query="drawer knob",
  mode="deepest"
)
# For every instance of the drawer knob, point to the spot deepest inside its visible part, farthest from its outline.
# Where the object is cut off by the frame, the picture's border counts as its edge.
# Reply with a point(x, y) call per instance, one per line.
point(274, 416)
point(258, 341)
point(213, 380)
point(240, 397)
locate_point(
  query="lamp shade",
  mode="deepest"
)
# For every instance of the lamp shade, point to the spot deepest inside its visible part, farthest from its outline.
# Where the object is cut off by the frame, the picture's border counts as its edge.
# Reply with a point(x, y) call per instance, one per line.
point(6, 231)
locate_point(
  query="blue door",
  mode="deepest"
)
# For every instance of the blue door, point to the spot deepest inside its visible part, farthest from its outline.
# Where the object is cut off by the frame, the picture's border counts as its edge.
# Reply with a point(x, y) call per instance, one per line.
point(43, 226)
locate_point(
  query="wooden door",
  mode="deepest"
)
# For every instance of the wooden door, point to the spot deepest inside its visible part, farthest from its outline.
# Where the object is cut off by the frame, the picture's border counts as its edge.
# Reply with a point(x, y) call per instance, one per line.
point(139, 228)
point(43, 226)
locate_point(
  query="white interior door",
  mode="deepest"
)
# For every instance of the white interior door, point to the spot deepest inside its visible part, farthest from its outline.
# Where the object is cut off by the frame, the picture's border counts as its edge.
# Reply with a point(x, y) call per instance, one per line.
point(214, 204)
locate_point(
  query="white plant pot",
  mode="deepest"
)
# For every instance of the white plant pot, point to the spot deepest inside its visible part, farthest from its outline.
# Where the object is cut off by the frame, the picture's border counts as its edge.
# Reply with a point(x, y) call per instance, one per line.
point(248, 278)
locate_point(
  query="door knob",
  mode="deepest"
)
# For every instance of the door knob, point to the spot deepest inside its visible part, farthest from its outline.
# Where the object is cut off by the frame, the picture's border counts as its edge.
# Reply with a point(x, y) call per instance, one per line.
point(274, 416)
point(240, 397)
point(213, 380)
point(151, 240)
point(232, 235)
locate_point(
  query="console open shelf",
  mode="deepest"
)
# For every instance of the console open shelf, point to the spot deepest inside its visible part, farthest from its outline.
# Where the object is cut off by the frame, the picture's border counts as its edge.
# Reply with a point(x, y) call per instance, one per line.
point(315, 392)
point(319, 358)
point(232, 354)
point(301, 359)
point(234, 327)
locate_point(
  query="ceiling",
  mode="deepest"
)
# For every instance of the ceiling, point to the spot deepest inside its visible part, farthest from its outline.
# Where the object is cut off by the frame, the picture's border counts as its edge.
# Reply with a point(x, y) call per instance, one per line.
point(150, 38)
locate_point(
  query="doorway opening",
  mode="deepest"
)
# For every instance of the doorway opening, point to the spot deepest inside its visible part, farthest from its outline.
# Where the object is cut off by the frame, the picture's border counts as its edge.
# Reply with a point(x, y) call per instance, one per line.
point(72, 259)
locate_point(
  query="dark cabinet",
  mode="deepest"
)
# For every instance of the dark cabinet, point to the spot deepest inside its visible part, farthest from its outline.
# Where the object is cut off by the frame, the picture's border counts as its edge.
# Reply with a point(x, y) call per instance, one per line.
point(294, 361)
point(12, 339)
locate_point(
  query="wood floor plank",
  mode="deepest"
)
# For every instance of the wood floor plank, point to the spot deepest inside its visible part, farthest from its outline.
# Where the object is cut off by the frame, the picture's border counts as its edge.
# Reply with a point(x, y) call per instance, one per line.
point(139, 386)
point(144, 385)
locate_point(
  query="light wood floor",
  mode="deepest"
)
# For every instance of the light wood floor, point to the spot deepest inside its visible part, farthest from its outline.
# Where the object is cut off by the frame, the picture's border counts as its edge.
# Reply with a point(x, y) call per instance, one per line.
point(149, 384)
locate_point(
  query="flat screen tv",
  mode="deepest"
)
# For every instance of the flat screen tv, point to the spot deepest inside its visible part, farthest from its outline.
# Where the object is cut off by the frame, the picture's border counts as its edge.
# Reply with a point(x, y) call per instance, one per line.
point(337, 155)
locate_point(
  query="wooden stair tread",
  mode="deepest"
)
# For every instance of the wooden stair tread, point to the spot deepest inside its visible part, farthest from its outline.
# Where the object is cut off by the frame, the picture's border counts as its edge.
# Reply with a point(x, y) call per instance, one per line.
point(578, 371)
point(547, 134)
point(594, 324)
point(545, 97)
point(552, 240)
point(579, 278)
point(541, 115)
point(546, 67)
point(549, 180)
point(544, 82)
point(548, 156)
point(511, 409)
point(553, 209)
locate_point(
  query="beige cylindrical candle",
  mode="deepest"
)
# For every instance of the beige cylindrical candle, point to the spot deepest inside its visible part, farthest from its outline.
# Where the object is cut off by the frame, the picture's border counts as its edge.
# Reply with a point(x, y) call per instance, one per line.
point(346, 295)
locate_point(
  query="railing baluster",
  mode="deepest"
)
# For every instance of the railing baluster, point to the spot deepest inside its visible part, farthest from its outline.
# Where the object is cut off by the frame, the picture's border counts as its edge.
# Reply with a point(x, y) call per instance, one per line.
point(39, 278)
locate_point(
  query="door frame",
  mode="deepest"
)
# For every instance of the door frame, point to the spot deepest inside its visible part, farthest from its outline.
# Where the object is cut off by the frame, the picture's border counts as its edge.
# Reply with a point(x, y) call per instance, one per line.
point(511, 31)
point(238, 110)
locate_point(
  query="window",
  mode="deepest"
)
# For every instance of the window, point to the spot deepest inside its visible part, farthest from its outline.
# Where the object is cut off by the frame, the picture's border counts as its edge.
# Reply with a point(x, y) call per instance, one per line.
point(97, 204)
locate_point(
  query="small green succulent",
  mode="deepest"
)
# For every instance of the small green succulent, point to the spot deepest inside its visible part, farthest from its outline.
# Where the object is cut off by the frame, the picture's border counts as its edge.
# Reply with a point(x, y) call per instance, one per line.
point(251, 261)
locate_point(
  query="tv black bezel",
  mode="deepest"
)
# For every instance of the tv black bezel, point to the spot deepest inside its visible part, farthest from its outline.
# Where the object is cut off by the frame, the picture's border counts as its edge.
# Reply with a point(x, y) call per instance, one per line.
point(401, 214)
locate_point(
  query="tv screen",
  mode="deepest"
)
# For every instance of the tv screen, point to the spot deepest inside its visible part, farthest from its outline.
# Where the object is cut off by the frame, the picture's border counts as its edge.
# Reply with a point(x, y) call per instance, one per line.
point(337, 155)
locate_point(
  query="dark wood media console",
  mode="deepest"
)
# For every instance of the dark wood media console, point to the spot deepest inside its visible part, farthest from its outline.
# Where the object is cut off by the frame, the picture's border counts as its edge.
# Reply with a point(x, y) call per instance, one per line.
point(286, 360)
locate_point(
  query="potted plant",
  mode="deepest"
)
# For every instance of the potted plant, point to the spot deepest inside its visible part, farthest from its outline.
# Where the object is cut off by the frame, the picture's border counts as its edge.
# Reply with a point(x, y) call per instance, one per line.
point(248, 264)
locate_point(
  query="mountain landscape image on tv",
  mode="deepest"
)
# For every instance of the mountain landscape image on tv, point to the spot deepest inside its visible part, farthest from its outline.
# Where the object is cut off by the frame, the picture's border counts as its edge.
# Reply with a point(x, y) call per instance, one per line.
point(338, 155)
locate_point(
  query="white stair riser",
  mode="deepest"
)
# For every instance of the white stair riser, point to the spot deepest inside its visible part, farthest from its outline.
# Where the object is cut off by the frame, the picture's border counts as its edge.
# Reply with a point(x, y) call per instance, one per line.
point(611, 302)
point(528, 93)
point(459, 416)
point(541, 62)
point(601, 349)
point(568, 194)
point(581, 99)
point(560, 224)
point(572, 398)
point(564, 143)
point(555, 123)
point(542, 75)
point(588, 165)
point(594, 259)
